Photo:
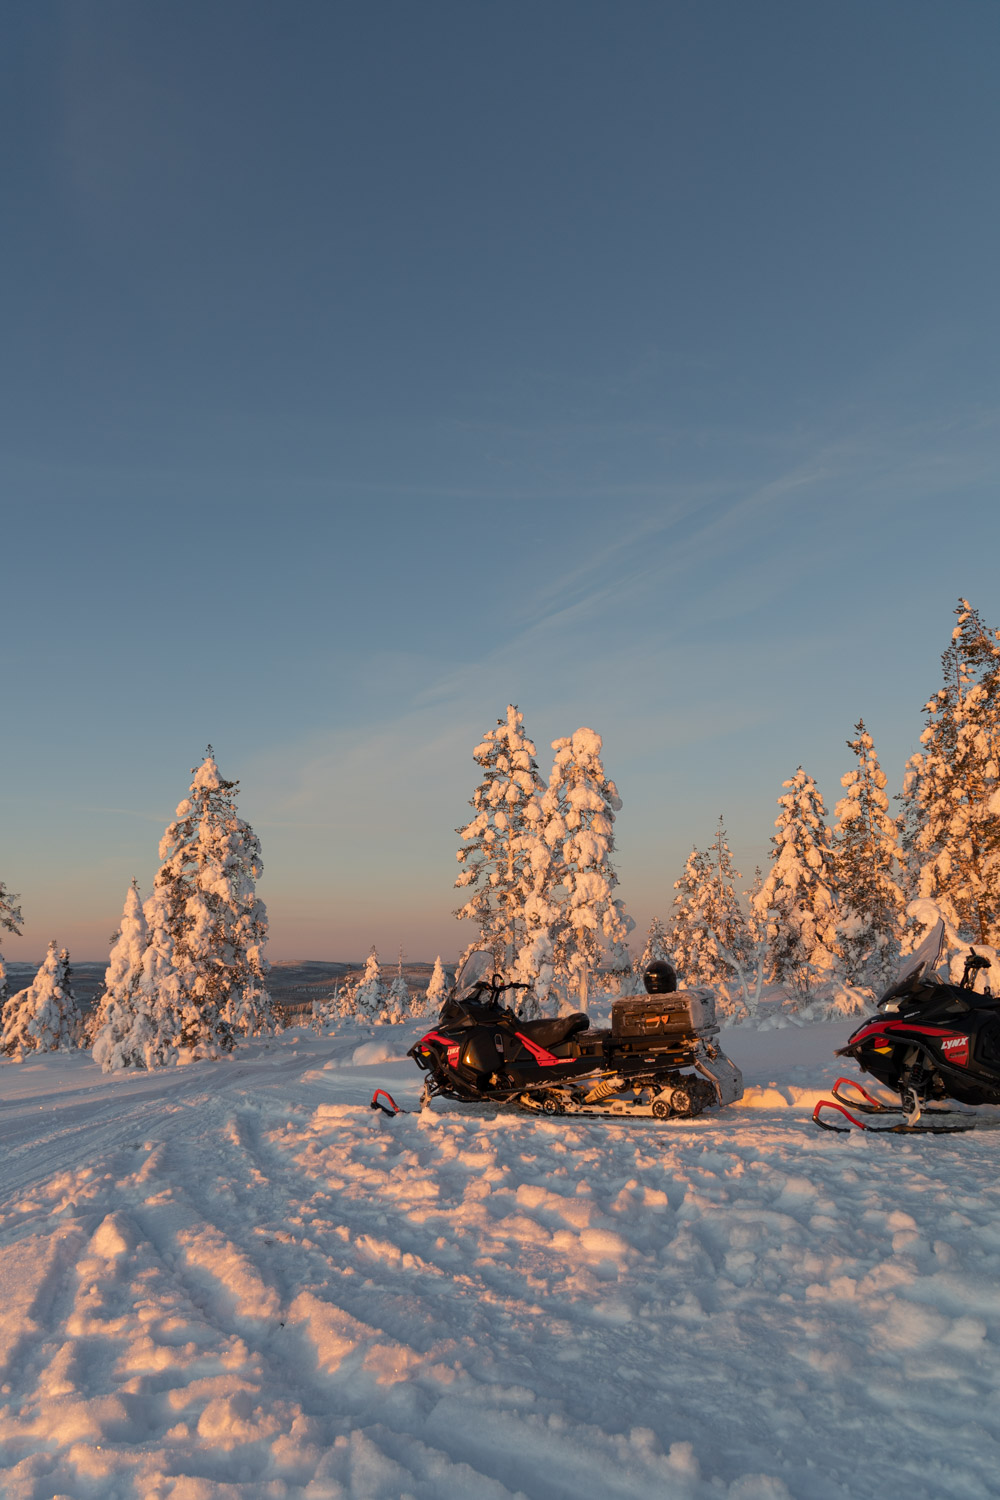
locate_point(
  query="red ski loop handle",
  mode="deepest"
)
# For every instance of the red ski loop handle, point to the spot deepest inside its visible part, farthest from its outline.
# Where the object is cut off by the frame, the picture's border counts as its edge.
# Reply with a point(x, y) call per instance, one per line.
point(831, 1104)
point(852, 1083)
point(391, 1109)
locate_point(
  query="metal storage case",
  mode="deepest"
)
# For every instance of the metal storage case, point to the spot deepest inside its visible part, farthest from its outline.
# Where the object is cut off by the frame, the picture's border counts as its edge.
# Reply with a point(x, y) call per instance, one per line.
point(663, 1015)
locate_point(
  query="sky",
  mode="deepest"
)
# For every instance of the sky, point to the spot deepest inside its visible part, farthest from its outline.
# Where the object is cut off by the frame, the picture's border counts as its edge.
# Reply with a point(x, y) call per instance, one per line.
point(368, 367)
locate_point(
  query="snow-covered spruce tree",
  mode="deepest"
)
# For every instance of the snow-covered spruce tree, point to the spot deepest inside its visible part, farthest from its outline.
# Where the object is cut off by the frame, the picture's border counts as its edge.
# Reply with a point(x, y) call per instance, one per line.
point(952, 787)
point(752, 978)
point(709, 931)
point(118, 1035)
point(45, 1016)
point(494, 855)
point(579, 808)
point(207, 904)
point(437, 985)
point(398, 1004)
point(866, 846)
point(655, 947)
point(687, 934)
point(10, 921)
point(799, 896)
point(368, 999)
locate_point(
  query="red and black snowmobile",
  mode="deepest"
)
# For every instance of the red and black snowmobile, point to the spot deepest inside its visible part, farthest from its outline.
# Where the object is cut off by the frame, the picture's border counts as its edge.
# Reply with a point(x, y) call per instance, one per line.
point(659, 1058)
point(930, 1043)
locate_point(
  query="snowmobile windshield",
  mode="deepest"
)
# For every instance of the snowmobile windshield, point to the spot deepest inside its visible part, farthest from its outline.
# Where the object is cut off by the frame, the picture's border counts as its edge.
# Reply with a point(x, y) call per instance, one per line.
point(919, 964)
point(476, 970)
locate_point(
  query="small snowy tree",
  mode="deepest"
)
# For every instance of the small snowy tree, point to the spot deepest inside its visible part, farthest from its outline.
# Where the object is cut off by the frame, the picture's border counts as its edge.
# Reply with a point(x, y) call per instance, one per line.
point(579, 807)
point(495, 856)
point(687, 920)
point(951, 820)
point(798, 898)
point(751, 975)
point(656, 946)
point(709, 931)
point(116, 1029)
point(10, 921)
point(45, 1016)
point(867, 850)
point(437, 987)
point(368, 999)
point(398, 1004)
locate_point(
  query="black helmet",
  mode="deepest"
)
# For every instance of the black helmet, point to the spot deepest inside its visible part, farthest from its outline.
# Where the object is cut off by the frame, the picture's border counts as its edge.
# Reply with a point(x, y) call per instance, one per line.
point(659, 977)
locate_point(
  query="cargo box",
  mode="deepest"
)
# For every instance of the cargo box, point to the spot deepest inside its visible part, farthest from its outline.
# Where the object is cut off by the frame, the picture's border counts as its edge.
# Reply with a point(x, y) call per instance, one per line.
point(663, 1015)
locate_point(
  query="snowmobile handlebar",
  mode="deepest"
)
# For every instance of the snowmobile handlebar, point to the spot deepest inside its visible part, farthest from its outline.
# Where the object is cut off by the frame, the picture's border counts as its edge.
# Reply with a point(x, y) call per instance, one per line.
point(973, 964)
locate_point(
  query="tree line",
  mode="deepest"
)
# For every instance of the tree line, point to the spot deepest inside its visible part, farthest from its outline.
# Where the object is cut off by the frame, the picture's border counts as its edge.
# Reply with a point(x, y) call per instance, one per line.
point(187, 975)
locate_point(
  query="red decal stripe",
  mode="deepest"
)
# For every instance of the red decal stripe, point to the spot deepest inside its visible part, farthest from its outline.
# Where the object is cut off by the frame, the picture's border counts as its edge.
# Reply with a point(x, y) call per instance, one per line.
point(543, 1058)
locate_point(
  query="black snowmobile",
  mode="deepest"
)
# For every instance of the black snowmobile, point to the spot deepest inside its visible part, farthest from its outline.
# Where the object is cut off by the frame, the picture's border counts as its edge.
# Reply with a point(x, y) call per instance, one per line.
point(930, 1043)
point(659, 1058)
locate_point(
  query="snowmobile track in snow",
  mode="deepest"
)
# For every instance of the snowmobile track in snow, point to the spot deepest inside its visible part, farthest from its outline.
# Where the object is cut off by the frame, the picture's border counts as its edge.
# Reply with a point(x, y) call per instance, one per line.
point(248, 1284)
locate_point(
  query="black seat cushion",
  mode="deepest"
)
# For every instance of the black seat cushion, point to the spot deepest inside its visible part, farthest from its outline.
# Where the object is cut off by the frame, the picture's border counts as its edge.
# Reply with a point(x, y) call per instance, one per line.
point(550, 1032)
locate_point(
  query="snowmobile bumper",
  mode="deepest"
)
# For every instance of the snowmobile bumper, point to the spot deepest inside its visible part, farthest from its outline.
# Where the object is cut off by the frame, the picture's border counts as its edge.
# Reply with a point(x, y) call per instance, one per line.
point(721, 1072)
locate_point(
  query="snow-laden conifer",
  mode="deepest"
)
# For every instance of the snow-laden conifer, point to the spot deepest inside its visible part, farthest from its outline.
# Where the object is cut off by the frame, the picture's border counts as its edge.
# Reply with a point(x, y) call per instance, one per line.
point(367, 1000)
point(687, 919)
point(656, 947)
point(437, 989)
point(398, 1003)
point(45, 1016)
point(495, 856)
point(579, 808)
point(117, 1030)
point(867, 849)
point(709, 930)
point(217, 925)
point(952, 786)
point(798, 897)
point(10, 921)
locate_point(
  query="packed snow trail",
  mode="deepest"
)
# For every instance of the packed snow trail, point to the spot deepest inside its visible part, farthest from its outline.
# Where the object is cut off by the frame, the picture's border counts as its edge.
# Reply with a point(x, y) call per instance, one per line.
point(237, 1280)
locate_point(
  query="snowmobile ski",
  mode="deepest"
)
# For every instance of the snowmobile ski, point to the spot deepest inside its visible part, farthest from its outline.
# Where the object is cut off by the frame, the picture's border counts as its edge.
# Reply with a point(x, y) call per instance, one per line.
point(869, 1105)
point(901, 1128)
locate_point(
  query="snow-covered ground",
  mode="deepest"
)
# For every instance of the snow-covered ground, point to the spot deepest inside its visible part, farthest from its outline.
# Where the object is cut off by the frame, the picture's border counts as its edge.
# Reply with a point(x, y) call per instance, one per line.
point(235, 1279)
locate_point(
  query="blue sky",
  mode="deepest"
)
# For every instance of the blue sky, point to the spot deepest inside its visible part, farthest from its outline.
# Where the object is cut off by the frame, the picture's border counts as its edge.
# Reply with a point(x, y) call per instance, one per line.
point(366, 367)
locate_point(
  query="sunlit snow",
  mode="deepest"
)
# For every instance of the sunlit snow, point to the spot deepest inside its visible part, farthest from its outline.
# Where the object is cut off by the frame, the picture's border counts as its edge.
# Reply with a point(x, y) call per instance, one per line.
point(238, 1280)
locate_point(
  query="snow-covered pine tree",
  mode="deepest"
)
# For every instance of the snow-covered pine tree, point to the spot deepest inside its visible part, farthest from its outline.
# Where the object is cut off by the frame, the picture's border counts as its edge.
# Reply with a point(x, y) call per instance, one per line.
point(752, 977)
point(799, 896)
point(866, 847)
point(708, 931)
point(10, 921)
point(45, 1016)
point(951, 791)
point(206, 898)
point(398, 1005)
point(437, 987)
point(495, 856)
point(119, 1035)
point(687, 935)
point(655, 947)
point(368, 1001)
point(579, 807)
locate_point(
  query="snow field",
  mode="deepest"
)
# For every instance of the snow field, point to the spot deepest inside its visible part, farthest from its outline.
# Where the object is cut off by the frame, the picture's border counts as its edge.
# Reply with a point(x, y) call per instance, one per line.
point(237, 1280)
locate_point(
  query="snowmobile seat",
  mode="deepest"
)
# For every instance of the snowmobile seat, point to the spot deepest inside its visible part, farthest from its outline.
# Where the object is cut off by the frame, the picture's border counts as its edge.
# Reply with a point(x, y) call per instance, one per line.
point(549, 1032)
